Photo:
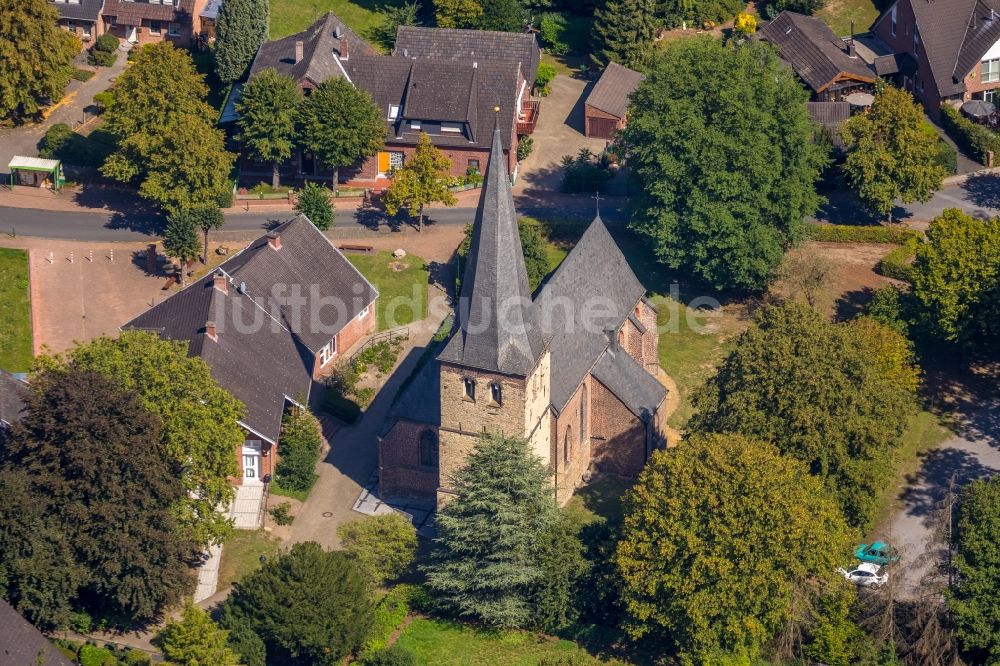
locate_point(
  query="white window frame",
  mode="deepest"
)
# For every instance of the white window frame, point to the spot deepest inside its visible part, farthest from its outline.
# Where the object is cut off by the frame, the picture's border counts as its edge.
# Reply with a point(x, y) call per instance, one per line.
point(990, 70)
point(916, 42)
point(393, 112)
point(328, 353)
point(454, 128)
point(364, 313)
point(396, 159)
point(415, 125)
point(892, 26)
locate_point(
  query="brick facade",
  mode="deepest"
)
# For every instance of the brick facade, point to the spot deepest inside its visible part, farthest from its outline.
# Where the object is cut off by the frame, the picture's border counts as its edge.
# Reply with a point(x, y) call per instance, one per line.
point(402, 473)
point(356, 329)
point(268, 458)
point(599, 124)
point(618, 437)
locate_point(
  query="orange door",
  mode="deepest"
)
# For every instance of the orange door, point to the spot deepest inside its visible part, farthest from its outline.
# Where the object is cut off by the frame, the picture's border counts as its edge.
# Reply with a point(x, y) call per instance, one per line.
point(383, 162)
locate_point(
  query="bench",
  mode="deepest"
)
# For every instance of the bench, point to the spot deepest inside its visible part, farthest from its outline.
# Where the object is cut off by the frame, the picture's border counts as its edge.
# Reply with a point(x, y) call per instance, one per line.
point(362, 249)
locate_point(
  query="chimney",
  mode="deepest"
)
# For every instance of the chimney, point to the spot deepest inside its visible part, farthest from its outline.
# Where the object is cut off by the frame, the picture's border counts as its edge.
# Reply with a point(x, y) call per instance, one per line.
point(851, 51)
point(220, 282)
point(210, 331)
point(274, 239)
point(612, 340)
point(299, 51)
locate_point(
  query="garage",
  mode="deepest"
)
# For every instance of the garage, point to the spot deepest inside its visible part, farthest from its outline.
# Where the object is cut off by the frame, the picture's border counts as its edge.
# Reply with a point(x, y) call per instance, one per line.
point(607, 104)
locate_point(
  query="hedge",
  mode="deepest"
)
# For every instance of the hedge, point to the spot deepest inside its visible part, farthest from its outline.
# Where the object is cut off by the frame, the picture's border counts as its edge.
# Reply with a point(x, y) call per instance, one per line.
point(389, 614)
point(847, 233)
point(975, 139)
point(898, 263)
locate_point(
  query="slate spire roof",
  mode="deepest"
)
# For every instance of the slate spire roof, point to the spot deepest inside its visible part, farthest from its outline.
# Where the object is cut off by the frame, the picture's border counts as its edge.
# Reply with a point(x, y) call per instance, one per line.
point(497, 328)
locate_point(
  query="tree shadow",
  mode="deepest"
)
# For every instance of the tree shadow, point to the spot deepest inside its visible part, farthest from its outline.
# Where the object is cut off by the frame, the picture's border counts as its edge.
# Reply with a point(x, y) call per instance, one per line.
point(441, 274)
point(149, 223)
point(853, 303)
point(983, 191)
point(928, 486)
point(845, 208)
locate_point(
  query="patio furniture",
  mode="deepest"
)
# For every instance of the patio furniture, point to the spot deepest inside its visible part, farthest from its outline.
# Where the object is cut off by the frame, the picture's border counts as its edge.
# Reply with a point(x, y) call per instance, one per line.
point(978, 109)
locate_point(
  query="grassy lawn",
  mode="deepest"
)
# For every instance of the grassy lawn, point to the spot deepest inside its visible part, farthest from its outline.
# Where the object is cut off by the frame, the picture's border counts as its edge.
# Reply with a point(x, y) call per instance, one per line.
point(15, 311)
point(276, 489)
point(291, 16)
point(599, 501)
point(241, 555)
point(401, 283)
point(444, 643)
point(839, 14)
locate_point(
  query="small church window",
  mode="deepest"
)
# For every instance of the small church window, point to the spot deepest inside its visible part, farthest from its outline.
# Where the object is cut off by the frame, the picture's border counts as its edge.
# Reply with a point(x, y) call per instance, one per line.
point(428, 448)
point(583, 412)
point(496, 393)
point(568, 444)
point(469, 385)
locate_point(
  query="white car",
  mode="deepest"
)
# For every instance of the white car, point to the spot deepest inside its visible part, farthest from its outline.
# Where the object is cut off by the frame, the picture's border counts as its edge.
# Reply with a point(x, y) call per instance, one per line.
point(866, 575)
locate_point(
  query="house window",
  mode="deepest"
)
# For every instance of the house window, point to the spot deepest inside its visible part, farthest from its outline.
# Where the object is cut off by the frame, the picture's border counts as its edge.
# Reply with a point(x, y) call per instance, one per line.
point(469, 387)
point(991, 96)
point(455, 128)
point(71, 26)
point(112, 21)
point(154, 27)
point(395, 160)
point(86, 30)
point(327, 353)
point(496, 393)
point(428, 448)
point(174, 29)
point(991, 71)
point(414, 124)
point(393, 112)
point(893, 26)
point(916, 42)
point(474, 165)
point(363, 313)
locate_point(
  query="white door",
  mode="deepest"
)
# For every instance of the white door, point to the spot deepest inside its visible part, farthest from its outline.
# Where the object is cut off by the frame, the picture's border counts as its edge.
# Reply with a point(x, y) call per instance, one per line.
point(131, 35)
point(251, 462)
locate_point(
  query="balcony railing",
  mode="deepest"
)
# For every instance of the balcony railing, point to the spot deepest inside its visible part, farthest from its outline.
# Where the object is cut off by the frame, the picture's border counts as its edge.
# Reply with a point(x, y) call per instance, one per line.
point(528, 117)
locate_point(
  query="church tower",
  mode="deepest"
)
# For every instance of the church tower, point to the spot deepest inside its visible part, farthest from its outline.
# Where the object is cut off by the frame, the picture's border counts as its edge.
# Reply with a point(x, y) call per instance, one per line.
point(495, 368)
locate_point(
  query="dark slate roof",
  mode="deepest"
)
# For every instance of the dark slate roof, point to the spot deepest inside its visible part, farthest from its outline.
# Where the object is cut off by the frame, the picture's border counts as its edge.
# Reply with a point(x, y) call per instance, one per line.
point(470, 46)
point(896, 63)
point(21, 644)
point(321, 47)
point(133, 13)
point(11, 397)
point(420, 400)
point(808, 45)
point(612, 91)
point(83, 10)
point(637, 389)
point(830, 115)
point(497, 329)
point(264, 353)
point(597, 281)
point(982, 31)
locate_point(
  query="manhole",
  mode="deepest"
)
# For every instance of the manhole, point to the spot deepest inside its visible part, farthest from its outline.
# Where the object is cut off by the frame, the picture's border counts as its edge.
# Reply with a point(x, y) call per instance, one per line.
point(328, 514)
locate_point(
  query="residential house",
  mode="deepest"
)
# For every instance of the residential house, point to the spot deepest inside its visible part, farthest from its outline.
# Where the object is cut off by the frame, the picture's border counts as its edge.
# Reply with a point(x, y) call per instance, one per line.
point(606, 106)
point(452, 99)
point(573, 370)
point(81, 17)
point(147, 21)
point(955, 45)
point(267, 322)
point(23, 645)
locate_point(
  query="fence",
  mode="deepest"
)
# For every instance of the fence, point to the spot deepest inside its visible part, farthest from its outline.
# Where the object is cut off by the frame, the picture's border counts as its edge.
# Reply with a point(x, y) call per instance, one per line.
point(400, 333)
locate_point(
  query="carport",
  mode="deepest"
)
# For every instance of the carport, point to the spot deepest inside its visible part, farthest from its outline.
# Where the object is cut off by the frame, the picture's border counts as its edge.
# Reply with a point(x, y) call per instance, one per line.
point(36, 172)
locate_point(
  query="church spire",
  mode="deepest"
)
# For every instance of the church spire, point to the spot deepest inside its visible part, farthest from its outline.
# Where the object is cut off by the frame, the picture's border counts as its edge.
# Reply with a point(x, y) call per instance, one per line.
point(497, 329)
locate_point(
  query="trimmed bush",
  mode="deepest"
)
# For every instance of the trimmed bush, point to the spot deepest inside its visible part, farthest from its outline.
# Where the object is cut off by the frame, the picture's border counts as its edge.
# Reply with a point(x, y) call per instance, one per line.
point(396, 655)
point(91, 655)
point(389, 614)
point(975, 139)
point(106, 43)
point(947, 157)
point(299, 449)
point(382, 546)
point(898, 264)
point(848, 233)
point(82, 74)
point(543, 78)
point(61, 142)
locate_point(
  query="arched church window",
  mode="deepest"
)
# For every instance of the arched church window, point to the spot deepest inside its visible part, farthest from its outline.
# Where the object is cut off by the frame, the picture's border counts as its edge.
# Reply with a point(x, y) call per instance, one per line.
point(469, 386)
point(429, 448)
point(583, 413)
point(568, 444)
point(496, 393)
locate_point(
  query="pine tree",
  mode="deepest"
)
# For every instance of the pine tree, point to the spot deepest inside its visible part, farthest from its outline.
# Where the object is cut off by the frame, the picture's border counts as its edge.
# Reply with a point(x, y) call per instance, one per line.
point(195, 641)
point(37, 55)
point(623, 31)
point(242, 28)
point(314, 203)
point(180, 240)
point(486, 565)
point(267, 111)
point(422, 180)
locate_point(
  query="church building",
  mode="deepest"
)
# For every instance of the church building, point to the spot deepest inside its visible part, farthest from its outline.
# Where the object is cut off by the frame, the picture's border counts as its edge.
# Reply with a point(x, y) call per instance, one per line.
point(573, 369)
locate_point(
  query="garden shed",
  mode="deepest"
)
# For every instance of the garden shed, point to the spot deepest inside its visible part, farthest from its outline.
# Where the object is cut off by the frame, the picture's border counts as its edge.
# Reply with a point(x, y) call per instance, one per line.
point(36, 172)
point(606, 106)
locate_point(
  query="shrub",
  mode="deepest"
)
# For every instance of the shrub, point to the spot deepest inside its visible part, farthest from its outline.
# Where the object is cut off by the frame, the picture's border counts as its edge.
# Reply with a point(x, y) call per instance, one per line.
point(382, 546)
point(300, 445)
point(54, 139)
point(314, 203)
point(947, 157)
point(103, 99)
point(137, 658)
point(282, 513)
point(524, 148)
point(396, 655)
point(976, 139)
point(389, 614)
point(341, 406)
point(103, 58)
point(543, 77)
point(888, 308)
point(245, 642)
point(849, 233)
point(61, 142)
point(382, 355)
point(106, 43)
point(551, 29)
point(584, 173)
point(82, 74)
point(91, 655)
point(898, 264)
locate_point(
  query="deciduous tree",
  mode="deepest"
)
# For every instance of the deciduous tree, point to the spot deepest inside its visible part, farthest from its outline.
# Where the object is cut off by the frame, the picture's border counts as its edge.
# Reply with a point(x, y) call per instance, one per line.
point(206, 218)
point(624, 32)
point(391, 17)
point(241, 29)
point(340, 124)
point(382, 546)
point(267, 110)
point(718, 533)
point(180, 240)
point(834, 396)
point(891, 151)
point(503, 15)
point(310, 606)
point(458, 13)
point(956, 279)
point(721, 145)
point(37, 56)
point(195, 640)
point(485, 563)
point(422, 180)
point(314, 202)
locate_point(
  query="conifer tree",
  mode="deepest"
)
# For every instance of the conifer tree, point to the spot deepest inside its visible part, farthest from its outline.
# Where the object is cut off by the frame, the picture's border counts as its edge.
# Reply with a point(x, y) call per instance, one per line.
point(242, 28)
point(486, 565)
point(623, 30)
point(196, 641)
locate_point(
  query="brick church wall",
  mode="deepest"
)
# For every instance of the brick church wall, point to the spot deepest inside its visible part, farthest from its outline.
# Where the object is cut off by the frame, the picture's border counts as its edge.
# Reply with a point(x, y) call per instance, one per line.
point(569, 474)
point(650, 353)
point(618, 437)
point(400, 471)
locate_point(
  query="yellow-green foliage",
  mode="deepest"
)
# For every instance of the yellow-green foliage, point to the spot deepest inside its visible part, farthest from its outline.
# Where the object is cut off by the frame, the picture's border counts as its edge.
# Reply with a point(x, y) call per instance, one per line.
point(745, 24)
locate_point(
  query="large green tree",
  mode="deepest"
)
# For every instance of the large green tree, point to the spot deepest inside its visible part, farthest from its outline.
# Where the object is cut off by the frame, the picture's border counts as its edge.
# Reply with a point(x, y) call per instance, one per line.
point(36, 56)
point(890, 152)
point(310, 606)
point(720, 143)
point(503, 15)
point(241, 29)
point(421, 181)
point(458, 13)
point(382, 546)
point(834, 396)
point(485, 563)
point(314, 202)
point(180, 240)
point(195, 640)
point(720, 534)
point(956, 279)
point(340, 124)
point(168, 143)
point(624, 32)
point(95, 456)
point(199, 417)
point(267, 110)
point(973, 600)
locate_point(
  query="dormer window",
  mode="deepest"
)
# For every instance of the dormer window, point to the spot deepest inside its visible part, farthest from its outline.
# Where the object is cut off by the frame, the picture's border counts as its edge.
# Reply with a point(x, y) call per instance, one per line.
point(469, 388)
point(496, 393)
point(415, 125)
point(393, 112)
point(454, 128)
